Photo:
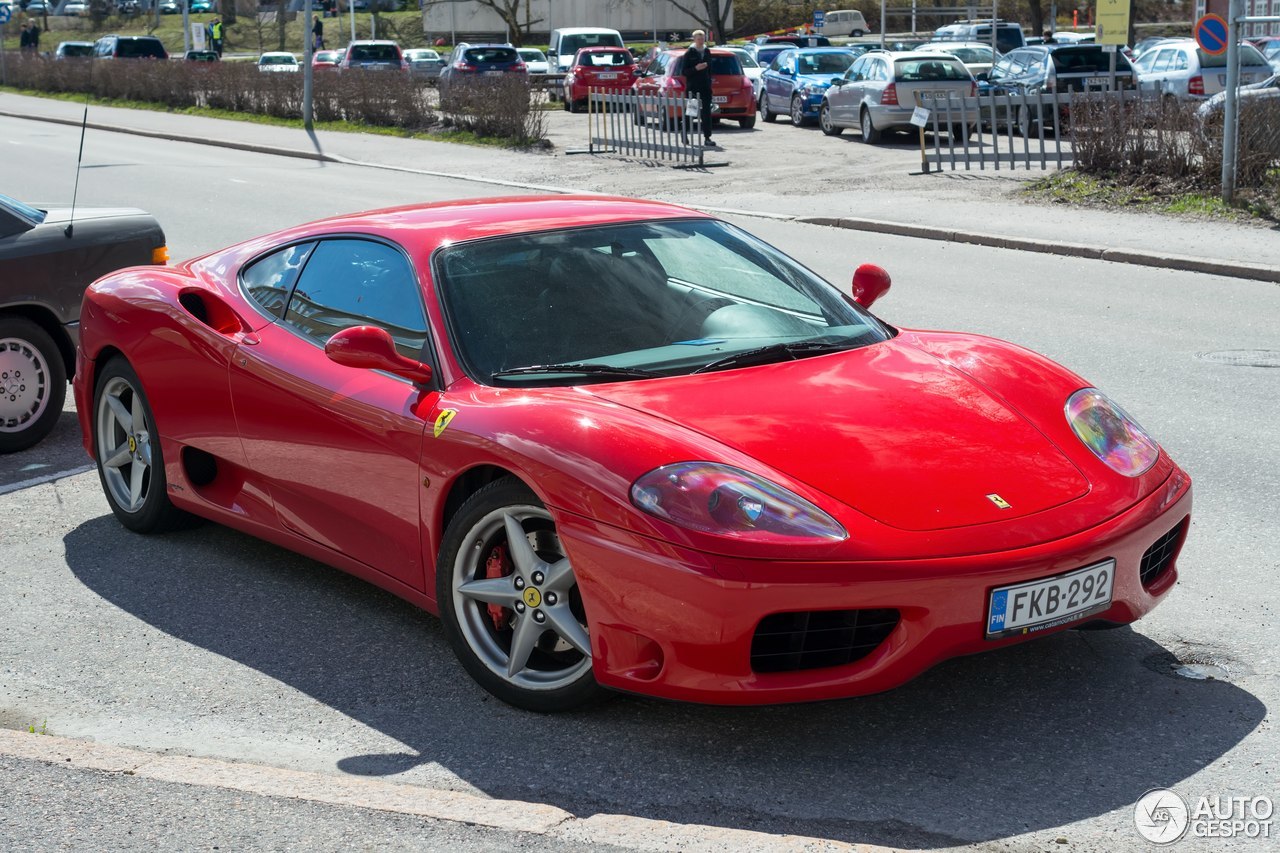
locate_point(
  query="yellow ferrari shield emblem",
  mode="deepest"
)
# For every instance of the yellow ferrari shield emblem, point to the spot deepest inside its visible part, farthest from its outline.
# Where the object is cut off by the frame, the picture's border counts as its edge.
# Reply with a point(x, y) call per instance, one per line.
point(532, 597)
point(133, 444)
point(999, 501)
point(442, 421)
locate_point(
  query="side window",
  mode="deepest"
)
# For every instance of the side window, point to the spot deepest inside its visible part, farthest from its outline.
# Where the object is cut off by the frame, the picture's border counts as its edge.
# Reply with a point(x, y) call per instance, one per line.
point(1164, 60)
point(880, 71)
point(351, 282)
point(1180, 62)
point(268, 280)
point(855, 71)
point(1145, 62)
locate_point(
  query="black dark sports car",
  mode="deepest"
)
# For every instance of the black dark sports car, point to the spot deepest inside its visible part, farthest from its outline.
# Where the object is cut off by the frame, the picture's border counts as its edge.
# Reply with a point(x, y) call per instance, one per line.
point(47, 259)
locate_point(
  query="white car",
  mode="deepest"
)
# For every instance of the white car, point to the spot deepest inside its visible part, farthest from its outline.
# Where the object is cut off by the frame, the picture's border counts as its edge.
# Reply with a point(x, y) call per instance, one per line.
point(424, 62)
point(978, 58)
point(278, 62)
point(535, 60)
point(1179, 69)
point(750, 68)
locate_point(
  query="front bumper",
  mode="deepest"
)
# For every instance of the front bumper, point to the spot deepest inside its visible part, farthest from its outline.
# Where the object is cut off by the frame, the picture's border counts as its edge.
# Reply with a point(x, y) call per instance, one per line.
point(668, 622)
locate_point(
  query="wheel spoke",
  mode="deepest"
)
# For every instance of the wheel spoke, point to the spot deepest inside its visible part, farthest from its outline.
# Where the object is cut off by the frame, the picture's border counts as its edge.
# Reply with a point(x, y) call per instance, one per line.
point(490, 591)
point(138, 423)
point(562, 621)
point(559, 576)
point(523, 640)
point(135, 484)
point(123, 416)
point(522, 555)
point(118, 458)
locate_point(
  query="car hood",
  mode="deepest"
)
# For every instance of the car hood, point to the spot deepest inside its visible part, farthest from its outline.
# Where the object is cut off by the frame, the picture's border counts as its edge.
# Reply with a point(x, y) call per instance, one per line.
point(888, 429)
point(814, 81)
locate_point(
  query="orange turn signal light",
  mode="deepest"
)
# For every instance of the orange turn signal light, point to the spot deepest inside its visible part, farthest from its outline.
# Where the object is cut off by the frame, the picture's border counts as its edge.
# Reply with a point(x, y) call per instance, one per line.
point(160, 255)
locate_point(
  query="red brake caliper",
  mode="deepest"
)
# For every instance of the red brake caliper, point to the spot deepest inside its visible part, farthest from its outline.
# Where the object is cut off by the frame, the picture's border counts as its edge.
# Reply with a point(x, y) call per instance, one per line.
point(497, 566)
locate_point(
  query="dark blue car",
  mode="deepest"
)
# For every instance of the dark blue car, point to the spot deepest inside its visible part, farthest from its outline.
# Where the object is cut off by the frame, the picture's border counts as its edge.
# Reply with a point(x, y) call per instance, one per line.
point(793, 84)
point(477, 62)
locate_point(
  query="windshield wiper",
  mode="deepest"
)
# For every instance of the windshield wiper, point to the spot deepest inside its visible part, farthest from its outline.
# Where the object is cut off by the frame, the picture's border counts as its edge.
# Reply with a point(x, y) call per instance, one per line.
point(775, 352)
point(577, 367)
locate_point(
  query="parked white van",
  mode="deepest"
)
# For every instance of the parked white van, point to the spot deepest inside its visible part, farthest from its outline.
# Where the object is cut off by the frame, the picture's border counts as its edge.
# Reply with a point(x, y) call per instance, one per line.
point(846, 22)
point(566, 42)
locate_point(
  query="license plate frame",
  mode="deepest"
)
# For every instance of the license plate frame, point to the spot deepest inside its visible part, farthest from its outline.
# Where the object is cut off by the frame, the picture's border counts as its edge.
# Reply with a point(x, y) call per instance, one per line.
point(607, 75)
point(719, 99)
point(1005, 604)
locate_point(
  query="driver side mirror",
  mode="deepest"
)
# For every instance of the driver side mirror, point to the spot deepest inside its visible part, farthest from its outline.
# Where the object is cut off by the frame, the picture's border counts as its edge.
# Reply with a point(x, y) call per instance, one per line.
point(870, 282)
point(837, 81)
point(371, 348)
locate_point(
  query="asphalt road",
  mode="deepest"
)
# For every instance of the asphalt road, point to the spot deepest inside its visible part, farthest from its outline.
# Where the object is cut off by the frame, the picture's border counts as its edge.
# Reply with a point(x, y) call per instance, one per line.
point(210, 643)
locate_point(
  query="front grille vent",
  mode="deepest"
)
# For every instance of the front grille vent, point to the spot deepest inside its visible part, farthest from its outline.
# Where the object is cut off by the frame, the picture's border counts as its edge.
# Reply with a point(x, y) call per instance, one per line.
point(1159, 557)
point(784, 642)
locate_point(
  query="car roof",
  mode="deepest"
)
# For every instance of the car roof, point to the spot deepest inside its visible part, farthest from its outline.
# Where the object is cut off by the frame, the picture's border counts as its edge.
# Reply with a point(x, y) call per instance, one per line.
point(910, 54)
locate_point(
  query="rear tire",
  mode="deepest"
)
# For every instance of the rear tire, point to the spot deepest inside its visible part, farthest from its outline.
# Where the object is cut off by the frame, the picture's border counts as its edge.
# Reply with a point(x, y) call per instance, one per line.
point(765, 113)
point(33, 382)
point(870, 135)
point(747, 123)
point(856, 34)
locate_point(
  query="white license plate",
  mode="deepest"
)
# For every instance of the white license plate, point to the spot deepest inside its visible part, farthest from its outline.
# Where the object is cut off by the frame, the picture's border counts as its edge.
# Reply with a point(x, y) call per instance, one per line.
point(719, 99)
point(608, 75)
point(1033, 606)
point(493, 73)
point(1097, 82)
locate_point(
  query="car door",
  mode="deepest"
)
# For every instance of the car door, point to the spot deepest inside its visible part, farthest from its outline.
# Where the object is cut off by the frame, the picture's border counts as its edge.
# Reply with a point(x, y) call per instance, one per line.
point(338, 448)
point(778, 86)
point(841, 97)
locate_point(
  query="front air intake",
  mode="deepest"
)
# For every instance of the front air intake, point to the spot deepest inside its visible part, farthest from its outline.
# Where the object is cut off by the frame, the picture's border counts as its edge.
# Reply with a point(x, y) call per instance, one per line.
point(814, 639)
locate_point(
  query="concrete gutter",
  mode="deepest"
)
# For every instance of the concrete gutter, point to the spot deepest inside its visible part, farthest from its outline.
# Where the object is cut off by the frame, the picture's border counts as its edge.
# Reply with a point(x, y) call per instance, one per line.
point(1137, 257)
point(634, 833)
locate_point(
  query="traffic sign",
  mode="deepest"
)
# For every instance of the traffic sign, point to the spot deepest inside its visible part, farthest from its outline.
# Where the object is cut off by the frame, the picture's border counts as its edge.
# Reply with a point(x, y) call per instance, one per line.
point(819, 19)
point(6, 13)
point(1211, 34)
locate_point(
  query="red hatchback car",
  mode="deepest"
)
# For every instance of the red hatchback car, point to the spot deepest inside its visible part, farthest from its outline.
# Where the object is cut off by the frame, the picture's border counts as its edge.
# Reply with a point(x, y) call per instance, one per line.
point(623, 444)
point(731, 94)
point(609, 68)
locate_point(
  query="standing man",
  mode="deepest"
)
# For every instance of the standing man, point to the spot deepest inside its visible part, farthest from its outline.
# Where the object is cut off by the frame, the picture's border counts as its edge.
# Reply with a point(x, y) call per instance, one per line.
point(215, 34)
point(697, 78)
point(317, 35)
point(24, 38)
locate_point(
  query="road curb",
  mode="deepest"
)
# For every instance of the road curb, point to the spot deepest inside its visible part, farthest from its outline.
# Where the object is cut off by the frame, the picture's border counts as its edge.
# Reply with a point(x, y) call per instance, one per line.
point(507, 815)
point(1135, 257)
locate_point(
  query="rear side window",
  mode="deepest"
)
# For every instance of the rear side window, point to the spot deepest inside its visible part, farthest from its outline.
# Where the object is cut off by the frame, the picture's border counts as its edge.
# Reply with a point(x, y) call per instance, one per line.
point(142, 48)
point(268, 280)
point(374, 53)
point(490, 55)
point(1249, 55)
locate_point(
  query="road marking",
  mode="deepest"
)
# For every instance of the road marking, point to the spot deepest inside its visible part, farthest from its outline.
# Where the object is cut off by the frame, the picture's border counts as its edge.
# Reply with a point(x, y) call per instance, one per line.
point(47, 478)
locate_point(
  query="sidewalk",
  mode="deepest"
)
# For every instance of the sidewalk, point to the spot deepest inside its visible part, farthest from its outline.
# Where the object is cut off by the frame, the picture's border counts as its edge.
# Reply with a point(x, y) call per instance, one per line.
point(771, 171)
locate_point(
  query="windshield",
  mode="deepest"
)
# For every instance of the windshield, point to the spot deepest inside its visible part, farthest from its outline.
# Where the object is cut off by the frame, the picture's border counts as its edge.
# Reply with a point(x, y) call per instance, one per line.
point(1085, 60)
point(532, 54)
point(641, 299)
point(25, 212)
point(491, 55)
point(1249, 55)
point(745, 59)
point(942, 68)
point(973, 55)
point(140, 48)
point(374, 53)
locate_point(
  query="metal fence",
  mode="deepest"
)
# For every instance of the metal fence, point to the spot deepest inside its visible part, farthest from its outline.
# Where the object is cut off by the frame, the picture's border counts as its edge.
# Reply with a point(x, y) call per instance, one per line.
point(651, 127)
point(1002, 130)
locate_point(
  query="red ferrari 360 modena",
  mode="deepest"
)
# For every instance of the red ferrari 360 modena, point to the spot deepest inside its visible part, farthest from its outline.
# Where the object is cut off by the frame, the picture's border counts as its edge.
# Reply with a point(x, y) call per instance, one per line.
point(621, 444)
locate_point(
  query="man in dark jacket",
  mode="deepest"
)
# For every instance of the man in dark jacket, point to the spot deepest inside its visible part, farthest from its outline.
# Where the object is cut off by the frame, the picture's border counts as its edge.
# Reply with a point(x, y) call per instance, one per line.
point(697, 78)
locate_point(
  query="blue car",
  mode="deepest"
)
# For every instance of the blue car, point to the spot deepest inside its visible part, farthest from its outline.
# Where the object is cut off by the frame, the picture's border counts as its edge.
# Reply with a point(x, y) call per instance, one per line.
point(793, 84)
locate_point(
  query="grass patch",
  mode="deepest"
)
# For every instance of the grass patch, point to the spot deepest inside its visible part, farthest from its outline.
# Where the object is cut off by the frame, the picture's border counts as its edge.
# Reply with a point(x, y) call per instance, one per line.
point(1153, 196)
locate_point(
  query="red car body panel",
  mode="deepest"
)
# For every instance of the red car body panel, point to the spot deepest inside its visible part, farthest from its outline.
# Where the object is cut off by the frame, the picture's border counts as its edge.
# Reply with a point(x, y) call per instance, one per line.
point(735, 89)
point(893, 440)
point(581, 78)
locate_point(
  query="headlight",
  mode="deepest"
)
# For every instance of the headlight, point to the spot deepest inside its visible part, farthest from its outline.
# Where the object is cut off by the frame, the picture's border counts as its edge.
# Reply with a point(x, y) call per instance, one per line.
point(714, 498)
point(1110, 433)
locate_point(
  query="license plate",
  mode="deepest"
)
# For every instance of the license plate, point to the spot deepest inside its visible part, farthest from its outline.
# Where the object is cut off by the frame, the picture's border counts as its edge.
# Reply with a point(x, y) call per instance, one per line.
point(1033, 606)
point(608, 75)
point(1097, 82)
point(493, 73)
point(719, 99)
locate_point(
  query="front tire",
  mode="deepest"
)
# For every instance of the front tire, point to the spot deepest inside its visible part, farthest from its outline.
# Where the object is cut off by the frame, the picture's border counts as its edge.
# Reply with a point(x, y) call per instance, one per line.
point(824, 121)
point(797, 112)
point(127, 449)
point(510, 604)
point(33, 384)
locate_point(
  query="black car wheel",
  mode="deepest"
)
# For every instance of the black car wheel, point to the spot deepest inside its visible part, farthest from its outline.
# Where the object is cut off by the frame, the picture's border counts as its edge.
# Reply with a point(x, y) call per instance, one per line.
point(127, 449)
point(33, 383)
point(510, 603)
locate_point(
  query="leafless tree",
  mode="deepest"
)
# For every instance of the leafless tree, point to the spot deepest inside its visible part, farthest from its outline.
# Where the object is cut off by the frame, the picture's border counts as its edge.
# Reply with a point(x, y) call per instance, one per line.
point(715, 13)
point(509, 11)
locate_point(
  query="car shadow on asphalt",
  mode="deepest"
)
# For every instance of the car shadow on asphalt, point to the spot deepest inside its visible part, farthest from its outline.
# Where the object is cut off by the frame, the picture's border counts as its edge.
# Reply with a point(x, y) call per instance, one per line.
point(1027, 738)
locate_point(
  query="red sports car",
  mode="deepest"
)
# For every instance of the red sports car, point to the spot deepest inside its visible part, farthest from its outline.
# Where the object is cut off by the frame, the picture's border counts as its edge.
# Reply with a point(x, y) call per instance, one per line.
point(621, 444)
